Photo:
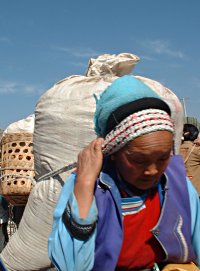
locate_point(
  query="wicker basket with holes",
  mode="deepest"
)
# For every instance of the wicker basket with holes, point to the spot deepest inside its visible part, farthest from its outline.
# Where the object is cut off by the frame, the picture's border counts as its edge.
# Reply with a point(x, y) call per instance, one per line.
point(17, 167)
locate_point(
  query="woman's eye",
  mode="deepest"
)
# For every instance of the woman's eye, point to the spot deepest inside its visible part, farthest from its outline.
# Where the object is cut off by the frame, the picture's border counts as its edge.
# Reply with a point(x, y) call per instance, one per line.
point(135, 160)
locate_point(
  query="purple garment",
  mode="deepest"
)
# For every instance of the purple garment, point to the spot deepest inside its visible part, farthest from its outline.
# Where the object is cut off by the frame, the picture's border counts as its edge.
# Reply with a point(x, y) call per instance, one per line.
point(176, 215)
point(173, 229)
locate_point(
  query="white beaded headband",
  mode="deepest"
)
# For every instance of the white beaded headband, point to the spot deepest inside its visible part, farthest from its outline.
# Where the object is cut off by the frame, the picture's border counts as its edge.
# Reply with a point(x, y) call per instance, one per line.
point(135, 125)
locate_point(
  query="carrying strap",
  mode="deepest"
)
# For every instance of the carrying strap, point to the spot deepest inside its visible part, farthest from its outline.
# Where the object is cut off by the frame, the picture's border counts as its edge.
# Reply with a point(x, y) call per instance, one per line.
point(56, 172)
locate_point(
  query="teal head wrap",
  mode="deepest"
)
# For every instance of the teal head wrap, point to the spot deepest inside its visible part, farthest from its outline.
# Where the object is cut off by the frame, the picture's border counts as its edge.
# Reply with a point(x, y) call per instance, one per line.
point(122, 91)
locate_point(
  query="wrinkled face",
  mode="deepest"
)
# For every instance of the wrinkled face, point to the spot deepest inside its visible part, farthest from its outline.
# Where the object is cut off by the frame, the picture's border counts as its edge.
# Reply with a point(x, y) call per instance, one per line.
point(142, 161)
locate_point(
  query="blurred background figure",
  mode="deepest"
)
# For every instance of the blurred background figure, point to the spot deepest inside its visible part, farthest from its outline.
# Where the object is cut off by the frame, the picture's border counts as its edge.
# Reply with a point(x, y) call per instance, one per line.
point(4, 214)
point(190, 151)
point(3, 222)
point(17, 214)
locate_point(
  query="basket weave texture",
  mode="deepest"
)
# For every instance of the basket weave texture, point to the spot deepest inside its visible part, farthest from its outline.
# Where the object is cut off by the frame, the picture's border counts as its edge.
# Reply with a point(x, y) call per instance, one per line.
point(17, 167)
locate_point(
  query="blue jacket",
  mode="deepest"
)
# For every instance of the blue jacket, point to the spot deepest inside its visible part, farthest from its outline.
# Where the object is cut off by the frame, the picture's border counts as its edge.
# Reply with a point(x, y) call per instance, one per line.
point(68, 253)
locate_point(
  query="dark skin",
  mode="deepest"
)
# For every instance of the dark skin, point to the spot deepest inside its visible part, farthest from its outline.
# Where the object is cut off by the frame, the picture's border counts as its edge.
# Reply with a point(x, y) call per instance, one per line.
point(140, 163)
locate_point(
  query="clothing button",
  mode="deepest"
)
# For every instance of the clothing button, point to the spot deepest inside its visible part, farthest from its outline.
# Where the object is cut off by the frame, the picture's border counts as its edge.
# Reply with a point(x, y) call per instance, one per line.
point(156, 231)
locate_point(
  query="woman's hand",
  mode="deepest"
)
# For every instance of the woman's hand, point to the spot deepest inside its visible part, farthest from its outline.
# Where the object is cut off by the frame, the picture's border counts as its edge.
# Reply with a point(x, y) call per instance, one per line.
point(90, 161)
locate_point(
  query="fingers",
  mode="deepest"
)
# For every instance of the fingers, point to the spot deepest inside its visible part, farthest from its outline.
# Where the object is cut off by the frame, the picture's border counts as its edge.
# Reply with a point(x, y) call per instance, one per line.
point(97, 144)
point(93, 148)
point(90, 159)
point(92, 151)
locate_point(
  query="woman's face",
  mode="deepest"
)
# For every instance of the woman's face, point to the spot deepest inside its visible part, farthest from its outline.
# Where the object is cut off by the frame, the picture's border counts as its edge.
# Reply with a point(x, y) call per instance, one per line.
point(142, 161)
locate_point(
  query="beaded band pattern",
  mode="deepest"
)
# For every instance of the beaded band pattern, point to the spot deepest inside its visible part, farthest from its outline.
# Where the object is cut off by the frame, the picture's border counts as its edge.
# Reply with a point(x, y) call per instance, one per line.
point(80, 232)
point(135, 125)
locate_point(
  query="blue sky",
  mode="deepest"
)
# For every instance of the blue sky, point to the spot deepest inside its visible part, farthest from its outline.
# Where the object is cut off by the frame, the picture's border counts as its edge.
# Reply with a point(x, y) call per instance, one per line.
point(44, 41)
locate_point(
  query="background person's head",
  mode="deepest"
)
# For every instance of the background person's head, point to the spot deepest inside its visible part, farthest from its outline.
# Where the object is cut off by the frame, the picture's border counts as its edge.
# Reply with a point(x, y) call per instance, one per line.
point(190, 132)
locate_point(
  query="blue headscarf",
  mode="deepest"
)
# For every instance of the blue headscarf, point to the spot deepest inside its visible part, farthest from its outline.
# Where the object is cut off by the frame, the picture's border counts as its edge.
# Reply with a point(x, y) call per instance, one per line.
point(122, 91)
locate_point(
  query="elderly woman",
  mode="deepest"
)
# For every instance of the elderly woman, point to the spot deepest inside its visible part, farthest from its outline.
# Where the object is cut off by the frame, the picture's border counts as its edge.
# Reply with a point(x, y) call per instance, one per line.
point(129, 205)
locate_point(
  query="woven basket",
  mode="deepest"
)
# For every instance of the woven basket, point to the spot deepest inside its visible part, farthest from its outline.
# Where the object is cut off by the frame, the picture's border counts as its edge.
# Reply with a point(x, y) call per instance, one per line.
point(17, 167)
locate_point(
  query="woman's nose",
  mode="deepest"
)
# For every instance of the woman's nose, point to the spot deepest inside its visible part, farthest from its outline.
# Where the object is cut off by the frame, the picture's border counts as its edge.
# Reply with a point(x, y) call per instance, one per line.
point(151, 170)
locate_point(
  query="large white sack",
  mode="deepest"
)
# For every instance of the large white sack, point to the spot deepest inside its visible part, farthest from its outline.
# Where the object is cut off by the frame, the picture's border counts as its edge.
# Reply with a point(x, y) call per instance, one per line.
point(63, 125)
point(25, 125)
point(64, 121)
point(28, 245)
point(64, 114)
